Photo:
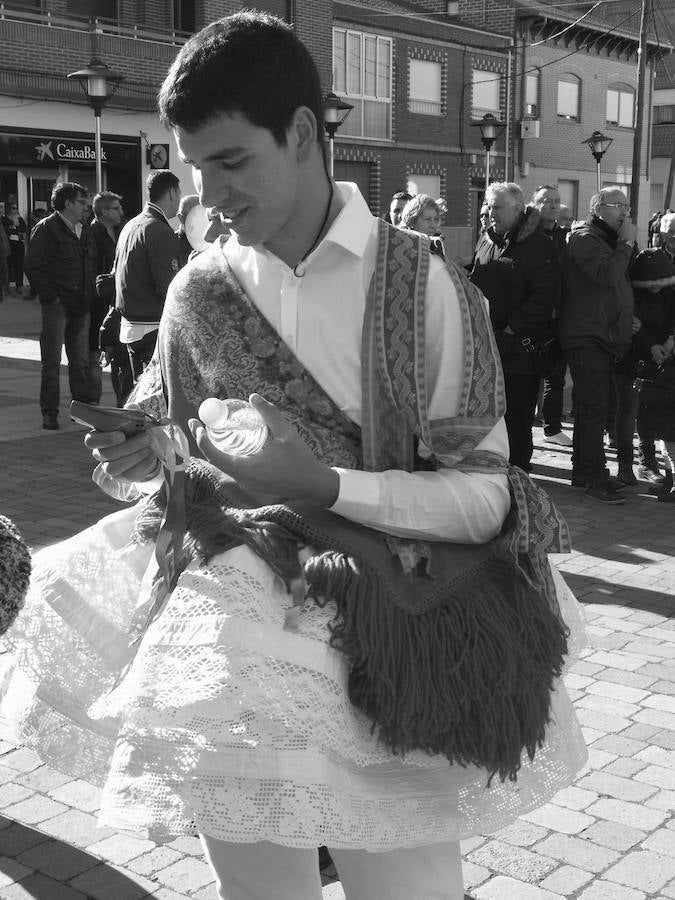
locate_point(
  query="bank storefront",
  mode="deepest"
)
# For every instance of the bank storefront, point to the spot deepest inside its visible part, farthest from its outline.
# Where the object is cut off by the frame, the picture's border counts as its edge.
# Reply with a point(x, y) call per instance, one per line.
point(31, 161)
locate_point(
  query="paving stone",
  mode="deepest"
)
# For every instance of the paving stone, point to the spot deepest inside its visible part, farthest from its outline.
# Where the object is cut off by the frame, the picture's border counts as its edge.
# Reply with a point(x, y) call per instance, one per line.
point(520, 834)
point(501, 888)
point(663, 687)
point(119, 848)
point(58, 860)
point(156, 859)
point(106, 883)
point(613, 836)
point(12, 793)
point(665, 739)
point(566, 880)
point(624, 768)
point(12, 870)
point(607, 890)
point(331, 892)
point(662, 800)
point(669, 890)
point(583, 667)
point(662, 842)
point(620, 745)
point(78, 828)
point(35, 809)
point(22, 759)
point(508, 860)
point(186, 874)
point(598, 759)
point(605, 724)
point(558, 818)
point(79, 794)
point(613, 786)
point(632, 679)
point(473, 875)
point(658, 756)
point(659, 776)
point(43, 779)
point(577, 682)
point(627, 814)
point(640, 732)
point(643, 870)
point(574, 797)
point(471, 843)
point(615, 691)
point(626, 661)
point(40, 886)
point(591, 734)
point(187, 844)
point(577, 852)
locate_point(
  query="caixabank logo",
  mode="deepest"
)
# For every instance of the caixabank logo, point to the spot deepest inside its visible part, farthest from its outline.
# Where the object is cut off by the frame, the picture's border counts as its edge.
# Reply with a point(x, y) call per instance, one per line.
point(66, 151)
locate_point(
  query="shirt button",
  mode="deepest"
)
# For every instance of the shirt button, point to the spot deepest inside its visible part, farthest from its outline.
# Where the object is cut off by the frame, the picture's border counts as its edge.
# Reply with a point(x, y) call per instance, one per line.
point(289, 339)
point(299, 270)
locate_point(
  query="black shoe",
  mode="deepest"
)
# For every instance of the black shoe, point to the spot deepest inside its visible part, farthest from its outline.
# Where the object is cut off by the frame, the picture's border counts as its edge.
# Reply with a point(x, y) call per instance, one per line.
point(612, 483)
point(652, 475)
point(50, 421)
point(626, 476)
point(604, 494)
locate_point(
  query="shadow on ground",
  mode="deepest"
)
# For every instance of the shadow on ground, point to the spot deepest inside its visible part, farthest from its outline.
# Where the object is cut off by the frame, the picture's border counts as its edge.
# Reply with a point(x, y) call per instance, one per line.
point(54, 863)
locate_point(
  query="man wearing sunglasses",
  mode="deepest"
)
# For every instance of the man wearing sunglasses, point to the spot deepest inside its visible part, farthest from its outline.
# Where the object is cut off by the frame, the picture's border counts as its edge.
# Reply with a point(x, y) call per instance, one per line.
point(596, 318)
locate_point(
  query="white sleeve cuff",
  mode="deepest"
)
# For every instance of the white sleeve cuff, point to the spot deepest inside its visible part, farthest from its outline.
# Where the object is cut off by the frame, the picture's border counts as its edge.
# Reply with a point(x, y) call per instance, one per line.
point(359, 493)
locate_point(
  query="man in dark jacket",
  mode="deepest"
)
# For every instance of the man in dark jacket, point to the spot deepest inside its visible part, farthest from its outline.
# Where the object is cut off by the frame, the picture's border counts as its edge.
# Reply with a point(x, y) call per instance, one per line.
point(596, 319)
point(146, 262)
point(105, 228)
point(61, 268)
point(515, 267)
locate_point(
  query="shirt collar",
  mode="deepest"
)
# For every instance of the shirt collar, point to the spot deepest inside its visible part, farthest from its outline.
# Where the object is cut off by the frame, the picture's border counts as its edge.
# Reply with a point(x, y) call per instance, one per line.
point(68, 223)
point(157, 209)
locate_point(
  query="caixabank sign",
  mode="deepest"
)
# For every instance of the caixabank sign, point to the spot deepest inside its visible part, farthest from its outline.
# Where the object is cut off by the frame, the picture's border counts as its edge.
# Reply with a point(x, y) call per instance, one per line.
point(50, 151)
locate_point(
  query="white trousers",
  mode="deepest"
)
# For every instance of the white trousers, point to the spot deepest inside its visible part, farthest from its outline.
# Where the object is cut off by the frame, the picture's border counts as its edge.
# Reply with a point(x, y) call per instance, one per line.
point(266, 871)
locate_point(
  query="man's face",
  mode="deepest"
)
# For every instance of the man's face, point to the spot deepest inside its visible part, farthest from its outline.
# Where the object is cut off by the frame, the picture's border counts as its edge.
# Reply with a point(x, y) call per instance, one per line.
point(614, 210)
point(667, 238)
point(395, 210)
point(173, 202)
point(548, 204)
point(241, 171)
point(76, 210)
point(112, 213)
point(504, 211)
point(428, 221)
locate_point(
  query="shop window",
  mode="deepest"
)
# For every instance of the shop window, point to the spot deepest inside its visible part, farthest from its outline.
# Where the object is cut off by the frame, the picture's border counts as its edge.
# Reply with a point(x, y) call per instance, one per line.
point(532, 82)
point(425, 87)
point(569, 97)
point(621, 106)
point(424, 184)
point(486, 93)
point(28, 5)
point(362, 75)
point(664, 114)
point(184, 15)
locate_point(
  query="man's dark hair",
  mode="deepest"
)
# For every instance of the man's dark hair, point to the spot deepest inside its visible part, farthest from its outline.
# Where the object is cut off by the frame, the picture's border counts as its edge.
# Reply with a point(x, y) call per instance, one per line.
point(400, 195)
point(103, 200)
point(66, 190)
point(159, 183)
point(545, 187)
point(251, 63)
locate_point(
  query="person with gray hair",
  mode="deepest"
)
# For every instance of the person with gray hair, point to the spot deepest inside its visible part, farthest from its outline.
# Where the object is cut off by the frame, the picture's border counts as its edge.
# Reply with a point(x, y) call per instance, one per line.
point(595, 328)
point(667, 234)
point(422, 213)
point(515, 266)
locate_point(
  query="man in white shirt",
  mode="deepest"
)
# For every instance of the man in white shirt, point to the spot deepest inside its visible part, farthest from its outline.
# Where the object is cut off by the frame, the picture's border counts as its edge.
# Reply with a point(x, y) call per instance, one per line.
point(304, 252)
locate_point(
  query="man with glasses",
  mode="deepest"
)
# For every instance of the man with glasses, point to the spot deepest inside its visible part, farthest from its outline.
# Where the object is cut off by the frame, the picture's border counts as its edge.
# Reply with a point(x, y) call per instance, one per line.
point(61, 268)
point(595, 328)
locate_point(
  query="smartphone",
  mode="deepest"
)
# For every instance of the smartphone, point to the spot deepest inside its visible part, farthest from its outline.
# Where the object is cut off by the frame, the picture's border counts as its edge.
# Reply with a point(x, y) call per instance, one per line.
point(110, 418)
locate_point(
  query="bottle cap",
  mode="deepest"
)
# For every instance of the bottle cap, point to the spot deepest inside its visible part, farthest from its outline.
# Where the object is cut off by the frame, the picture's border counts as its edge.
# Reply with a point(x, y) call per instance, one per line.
point(212, 411)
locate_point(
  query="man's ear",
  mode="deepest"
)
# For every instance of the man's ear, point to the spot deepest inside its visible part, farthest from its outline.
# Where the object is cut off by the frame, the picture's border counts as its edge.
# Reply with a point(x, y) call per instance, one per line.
point(303, 132)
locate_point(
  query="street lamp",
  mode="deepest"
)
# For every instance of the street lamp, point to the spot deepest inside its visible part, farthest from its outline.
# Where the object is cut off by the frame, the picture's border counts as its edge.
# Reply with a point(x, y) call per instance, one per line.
point(335, 111)
point(599, 144)
point(95, 81)
point(490, 129)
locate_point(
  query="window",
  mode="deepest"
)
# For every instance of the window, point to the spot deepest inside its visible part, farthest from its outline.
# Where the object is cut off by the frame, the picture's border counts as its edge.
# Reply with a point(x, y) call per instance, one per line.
point(184, 15)
point(532, 95)
point(569, 195)
point(424, 184)
point(94, 9)
point(425, 87)
point(569, 95)
point(620, 106)
point(485, 93)
point(362, 75)
point(664, 114)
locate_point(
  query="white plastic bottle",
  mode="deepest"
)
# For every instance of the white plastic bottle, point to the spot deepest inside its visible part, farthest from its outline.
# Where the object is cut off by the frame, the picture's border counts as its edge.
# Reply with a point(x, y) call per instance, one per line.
point(234, 426)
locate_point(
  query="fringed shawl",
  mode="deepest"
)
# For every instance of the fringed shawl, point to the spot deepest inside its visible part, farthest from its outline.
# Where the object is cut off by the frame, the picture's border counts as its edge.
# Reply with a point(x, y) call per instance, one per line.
point(453, 649)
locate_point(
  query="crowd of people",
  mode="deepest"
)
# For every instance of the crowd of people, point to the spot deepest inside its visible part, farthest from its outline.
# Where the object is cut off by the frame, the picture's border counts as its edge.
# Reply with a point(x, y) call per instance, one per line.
point(577, 297)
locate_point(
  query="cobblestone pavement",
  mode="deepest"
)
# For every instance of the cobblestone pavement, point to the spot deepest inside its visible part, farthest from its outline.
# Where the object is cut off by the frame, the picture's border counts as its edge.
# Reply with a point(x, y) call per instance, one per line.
point(610, 836)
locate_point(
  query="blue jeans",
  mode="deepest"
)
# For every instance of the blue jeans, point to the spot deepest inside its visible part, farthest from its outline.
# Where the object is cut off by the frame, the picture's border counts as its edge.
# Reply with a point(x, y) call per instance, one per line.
point(59, 327)
point(591, 368)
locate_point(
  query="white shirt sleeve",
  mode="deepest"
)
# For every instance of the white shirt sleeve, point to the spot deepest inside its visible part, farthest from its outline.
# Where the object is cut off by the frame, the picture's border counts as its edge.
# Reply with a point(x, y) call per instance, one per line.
point(448, 504)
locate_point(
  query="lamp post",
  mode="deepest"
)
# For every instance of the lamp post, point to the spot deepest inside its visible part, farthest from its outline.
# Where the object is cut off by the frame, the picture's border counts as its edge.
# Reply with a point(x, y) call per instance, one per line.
point(599, 144)
point(335, 111)
point(95, 81)
point(490, 129)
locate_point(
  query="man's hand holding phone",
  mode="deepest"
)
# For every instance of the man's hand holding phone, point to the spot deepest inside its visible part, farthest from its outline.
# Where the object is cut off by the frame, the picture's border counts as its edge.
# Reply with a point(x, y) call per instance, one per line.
point(120, 440)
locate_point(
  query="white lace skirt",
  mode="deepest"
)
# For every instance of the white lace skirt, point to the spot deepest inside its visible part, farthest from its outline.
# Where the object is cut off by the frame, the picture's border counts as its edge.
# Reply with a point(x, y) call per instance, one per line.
point(228, 724)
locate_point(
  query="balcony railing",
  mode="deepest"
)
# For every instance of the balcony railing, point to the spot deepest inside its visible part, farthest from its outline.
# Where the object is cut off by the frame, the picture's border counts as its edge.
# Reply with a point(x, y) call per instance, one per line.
point(96, 25)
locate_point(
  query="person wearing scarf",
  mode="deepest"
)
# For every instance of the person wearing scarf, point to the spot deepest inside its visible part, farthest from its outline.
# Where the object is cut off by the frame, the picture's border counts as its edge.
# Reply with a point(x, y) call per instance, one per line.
point(360, 641)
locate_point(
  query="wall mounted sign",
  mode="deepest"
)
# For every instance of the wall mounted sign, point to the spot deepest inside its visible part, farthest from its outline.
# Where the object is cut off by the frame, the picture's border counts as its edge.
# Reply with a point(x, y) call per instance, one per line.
point(49, 151)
